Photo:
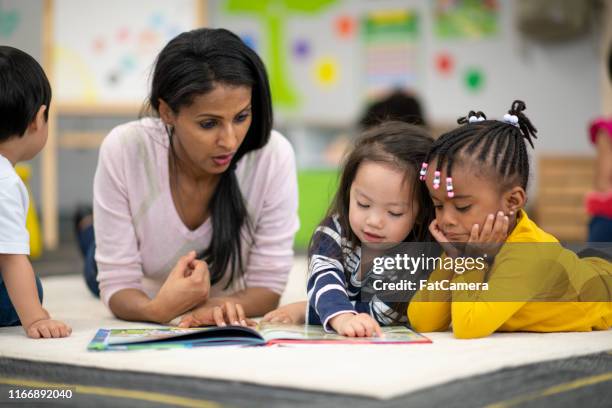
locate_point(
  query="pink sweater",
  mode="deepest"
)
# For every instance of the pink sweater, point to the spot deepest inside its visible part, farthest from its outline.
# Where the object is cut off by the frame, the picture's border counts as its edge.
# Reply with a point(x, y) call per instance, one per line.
point(139, 234)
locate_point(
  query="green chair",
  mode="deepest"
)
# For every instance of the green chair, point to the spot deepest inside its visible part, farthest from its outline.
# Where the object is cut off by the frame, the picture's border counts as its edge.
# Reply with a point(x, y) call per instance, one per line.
point(316, 189)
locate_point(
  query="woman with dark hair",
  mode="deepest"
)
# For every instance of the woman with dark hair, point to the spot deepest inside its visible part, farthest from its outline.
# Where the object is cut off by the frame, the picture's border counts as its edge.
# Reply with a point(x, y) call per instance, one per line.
point(195, 206)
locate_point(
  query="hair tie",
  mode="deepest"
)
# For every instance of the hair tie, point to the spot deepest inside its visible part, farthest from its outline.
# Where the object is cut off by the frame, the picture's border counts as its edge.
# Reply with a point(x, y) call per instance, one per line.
point(511, 119)
point(474, 119)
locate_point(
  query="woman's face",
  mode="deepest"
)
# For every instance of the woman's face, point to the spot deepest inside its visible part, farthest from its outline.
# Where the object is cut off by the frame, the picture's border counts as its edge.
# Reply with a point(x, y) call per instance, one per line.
point(208, 132)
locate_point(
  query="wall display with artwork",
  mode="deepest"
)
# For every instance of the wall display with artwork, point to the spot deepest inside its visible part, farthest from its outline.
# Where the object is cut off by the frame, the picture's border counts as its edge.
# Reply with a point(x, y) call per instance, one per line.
point(103, 52)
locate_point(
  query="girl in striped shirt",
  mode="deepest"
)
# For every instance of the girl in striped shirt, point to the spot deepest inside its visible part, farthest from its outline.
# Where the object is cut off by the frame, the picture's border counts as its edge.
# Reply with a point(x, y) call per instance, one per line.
point(378, 201)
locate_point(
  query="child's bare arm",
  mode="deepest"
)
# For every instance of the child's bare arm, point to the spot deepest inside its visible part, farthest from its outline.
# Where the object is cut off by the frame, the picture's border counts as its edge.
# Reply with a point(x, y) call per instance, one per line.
point(18, 277)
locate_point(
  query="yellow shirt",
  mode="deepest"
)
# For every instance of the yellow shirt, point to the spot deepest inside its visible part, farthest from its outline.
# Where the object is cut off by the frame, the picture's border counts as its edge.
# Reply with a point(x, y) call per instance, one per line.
point(520, 275)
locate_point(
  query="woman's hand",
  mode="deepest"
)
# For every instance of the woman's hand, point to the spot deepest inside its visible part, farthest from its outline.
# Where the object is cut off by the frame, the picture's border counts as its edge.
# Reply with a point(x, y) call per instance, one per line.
point(217, 312)
point(355, 325)
point(294, 313)
point(187, 285)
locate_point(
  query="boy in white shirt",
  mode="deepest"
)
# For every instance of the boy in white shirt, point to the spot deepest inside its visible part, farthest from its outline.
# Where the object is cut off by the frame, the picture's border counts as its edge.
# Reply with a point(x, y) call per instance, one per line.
point(25, 95)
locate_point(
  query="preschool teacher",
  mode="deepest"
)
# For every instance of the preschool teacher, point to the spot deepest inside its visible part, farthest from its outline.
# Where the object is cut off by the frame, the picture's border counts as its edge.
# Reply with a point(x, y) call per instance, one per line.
point(203, 177)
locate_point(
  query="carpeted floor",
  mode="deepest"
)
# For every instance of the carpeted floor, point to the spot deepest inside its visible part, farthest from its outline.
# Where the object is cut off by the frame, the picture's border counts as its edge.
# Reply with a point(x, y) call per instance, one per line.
point(514, 369)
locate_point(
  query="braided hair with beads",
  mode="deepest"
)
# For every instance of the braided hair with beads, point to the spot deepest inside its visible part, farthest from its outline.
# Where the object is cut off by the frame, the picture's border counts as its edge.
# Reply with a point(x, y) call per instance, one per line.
point(497, 145)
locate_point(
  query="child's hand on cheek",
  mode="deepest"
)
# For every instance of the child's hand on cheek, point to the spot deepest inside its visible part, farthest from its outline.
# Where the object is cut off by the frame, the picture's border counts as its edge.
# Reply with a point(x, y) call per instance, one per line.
point(488, 240)
point(439, 236)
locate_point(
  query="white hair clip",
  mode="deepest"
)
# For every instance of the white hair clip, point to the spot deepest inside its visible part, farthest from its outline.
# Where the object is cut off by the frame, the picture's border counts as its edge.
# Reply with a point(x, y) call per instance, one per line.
point(474, 119)
point(511, 119)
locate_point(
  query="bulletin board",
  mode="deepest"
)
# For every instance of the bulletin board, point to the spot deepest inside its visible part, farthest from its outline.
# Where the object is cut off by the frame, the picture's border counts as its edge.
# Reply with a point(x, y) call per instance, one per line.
point(327, 58)
point(309, 48)
point(103, 52)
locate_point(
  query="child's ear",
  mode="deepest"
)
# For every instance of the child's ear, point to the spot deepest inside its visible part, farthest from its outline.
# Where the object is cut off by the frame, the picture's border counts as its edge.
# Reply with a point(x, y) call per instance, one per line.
point(515, 199)
point(166, 113)
point(39, 120)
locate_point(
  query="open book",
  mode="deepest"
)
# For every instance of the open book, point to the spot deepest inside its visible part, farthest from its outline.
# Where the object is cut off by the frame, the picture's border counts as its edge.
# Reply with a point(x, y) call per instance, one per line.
point(264, 334)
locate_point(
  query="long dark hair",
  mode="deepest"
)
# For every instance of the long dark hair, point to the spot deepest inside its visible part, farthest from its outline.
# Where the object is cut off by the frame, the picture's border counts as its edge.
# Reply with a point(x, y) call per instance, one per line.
point(192, 64)
point(400, 145)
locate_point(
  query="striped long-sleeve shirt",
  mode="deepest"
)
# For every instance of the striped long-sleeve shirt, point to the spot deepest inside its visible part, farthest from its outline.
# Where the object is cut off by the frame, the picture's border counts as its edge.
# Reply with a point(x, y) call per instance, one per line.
point(330, 293)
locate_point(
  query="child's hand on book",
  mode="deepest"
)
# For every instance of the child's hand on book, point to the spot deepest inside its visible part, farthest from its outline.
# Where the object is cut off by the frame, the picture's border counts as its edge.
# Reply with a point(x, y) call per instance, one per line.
point(294, 313)
point(217, 313)
point(48, 328)
point(355, 325)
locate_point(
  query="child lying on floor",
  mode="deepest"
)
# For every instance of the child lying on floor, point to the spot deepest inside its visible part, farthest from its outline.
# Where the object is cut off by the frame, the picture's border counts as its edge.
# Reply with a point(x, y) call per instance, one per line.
point(534, 284)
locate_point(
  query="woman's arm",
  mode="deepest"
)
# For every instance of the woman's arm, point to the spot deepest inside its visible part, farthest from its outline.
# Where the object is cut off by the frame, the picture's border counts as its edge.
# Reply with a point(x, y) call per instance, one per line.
point(187, 285)
point(135, 305)
point(118, 253)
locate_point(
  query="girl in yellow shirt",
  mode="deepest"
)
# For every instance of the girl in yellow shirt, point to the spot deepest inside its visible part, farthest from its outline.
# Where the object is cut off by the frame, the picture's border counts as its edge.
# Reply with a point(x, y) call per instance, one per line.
point(533, 283)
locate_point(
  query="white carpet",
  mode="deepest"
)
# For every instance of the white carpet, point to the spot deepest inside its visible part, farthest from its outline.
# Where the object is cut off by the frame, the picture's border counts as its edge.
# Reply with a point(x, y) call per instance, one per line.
point(374, 371)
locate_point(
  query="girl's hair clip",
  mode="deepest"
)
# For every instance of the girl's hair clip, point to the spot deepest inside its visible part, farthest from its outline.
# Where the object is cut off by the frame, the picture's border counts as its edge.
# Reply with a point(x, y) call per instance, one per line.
point(436, 180)
point(511, 119)
point(423, 171)
point(474, 119)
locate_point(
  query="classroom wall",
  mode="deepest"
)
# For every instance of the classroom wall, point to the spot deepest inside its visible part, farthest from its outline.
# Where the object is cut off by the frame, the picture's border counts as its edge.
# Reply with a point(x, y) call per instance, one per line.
point(560, 83)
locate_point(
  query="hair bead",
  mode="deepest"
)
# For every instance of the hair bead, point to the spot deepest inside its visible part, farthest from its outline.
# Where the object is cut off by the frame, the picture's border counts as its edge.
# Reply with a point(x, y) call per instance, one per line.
point(511, 119)
point(436, 180)
point(423, 171)
point(449, 187)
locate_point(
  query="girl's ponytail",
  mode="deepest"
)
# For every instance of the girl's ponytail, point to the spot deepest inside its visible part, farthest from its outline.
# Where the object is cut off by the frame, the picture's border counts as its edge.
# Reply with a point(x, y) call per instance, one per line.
point(523, 123)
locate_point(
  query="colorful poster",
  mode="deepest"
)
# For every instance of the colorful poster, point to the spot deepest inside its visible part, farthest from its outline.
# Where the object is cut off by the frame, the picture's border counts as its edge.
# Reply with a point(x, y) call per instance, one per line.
point(390, 41)
point(110, 61)
point(273, 16)
point(466, 18)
